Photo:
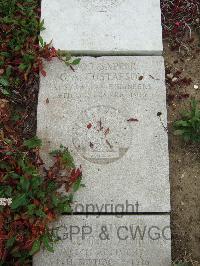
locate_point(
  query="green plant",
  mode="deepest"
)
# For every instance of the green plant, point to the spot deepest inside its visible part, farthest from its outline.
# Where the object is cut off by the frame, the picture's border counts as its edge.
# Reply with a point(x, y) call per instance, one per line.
point(20, 52)
point(35, 198)
point(23, 178)
point(189, 125)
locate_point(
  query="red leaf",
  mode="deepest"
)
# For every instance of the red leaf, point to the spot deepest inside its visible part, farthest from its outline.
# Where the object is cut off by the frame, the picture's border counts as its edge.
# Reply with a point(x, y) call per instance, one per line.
point(75, 174)
point(53, 52)
point(43, 72)
point(89, 125)
point(132, 120)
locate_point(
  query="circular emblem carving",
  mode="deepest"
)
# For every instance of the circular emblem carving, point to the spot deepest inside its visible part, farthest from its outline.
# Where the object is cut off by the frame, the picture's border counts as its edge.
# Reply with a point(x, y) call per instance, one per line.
point(100, 5)
point(102, 135)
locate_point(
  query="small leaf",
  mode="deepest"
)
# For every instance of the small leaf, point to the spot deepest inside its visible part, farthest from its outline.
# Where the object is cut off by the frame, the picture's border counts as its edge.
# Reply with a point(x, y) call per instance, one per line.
point(31, 209)
point(36, 182)
point(8, 71)
point(41, 25)
point(55, 200)
point(187, 137)
point(10, 242)
point(23, 67)
point(35, 247)
point(51, 186)
point(15, 176)
point(4, 82)
point(41, 194)
point(43, 72)
point(5, 92)
point(181, 123)
point(65, 54)
point(5, 54)
point(76, 61)
point(19, 201)
point(178, 132)
point(41, 41)
point(77, 185)
point(4, 165)
point(67, 159)
point(40, 213)
point(16, 117)
point(25, 183)
point(8, 191)
point(66, 208)
point(46, 242)
point(33, 143)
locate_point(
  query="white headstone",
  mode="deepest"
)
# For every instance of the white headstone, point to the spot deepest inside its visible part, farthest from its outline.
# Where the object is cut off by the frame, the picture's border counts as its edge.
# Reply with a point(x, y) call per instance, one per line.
point(110, 241)
point(104, 26)
point(111, 114)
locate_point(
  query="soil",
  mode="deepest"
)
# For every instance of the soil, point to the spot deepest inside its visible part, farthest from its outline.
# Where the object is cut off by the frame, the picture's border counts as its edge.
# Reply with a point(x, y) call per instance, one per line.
point(184, 157)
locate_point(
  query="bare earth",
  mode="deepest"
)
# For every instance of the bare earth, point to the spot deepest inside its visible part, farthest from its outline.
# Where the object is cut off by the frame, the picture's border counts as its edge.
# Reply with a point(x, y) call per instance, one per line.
point(184, 158)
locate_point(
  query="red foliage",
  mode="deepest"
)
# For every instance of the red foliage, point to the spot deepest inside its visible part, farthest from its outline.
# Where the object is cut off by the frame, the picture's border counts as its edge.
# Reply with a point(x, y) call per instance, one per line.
point(17, 222)
point(89, 125)
point(75, 174)
point(178, 19)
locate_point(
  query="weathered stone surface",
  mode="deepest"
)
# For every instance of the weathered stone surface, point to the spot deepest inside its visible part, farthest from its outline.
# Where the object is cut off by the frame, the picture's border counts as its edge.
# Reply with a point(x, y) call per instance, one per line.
point(108, 240)
point(111, 114)
point(104, 26)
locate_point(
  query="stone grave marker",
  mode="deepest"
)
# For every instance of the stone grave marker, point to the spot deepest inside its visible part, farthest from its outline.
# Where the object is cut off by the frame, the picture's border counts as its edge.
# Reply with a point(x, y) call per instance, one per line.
point(93, 27)
point(111, 114)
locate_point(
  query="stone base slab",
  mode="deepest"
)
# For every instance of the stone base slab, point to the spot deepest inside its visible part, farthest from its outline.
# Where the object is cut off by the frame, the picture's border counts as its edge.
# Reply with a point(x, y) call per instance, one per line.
point(103, 27)
point(110, 240)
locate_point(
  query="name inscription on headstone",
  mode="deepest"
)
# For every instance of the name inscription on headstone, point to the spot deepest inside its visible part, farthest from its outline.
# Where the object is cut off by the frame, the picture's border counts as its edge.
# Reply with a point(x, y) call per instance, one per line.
point(120, 80)
point(100, 5)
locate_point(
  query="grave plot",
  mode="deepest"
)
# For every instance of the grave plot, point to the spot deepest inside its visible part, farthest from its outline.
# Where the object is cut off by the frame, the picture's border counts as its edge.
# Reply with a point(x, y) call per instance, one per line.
point(111, 114)
point(104, 26)
point(110, 240)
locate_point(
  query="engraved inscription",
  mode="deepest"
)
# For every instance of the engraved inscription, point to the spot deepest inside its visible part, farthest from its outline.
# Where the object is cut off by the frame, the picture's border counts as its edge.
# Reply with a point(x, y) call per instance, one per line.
point(102, 135)
point(113, 80)
point(132, 91)
point(100, 5)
